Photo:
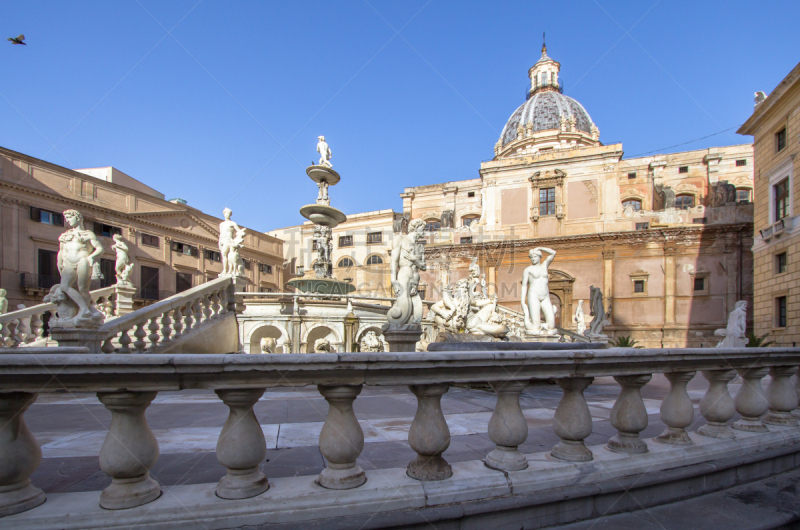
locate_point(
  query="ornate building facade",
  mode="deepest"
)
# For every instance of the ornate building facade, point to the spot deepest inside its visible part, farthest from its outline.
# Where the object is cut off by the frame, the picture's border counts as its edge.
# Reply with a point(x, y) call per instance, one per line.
point(173, 245)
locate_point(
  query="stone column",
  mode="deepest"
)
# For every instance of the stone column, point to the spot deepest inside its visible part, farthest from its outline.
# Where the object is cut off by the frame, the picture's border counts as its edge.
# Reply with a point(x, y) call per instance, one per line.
point(669, 294)
point(341, 439)
point(609, 256)
point(20, 455)
point(629, 415)
point(573, 421)
point(717, 406)
point(124, 299)
point(751, 403)
point(129, 451)
point(429, 435)
point(677, 411)
point(782, 397)
point(507, 427)
point(241, 446)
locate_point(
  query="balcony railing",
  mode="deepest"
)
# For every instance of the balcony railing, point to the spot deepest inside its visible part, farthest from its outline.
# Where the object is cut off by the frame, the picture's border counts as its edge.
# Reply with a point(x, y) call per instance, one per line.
point(28, 280)
point(127, 384)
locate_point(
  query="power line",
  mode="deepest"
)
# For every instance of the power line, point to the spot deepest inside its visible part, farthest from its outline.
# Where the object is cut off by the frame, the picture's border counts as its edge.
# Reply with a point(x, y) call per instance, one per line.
point(684, 143)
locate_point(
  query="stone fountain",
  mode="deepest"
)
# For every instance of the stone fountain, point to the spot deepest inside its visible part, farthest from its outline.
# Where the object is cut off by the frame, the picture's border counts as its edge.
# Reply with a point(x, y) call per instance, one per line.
point(325, 219)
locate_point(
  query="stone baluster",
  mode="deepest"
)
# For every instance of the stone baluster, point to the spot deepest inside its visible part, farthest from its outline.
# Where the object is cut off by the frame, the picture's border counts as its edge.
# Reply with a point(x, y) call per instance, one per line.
point(216, 307)
point(782, 397)
point(241, 446)
point(188, 320)
point(129, 451)
point(154, 335)
point(717, 405)
point(629, 415)
point(177, 322)
point(750, 401)
point(20, 455)
point(21, 332)
point(7, 333)
point(166, 327)
point(341, 439)
point(677, 410)
point(507, 427)
point(37, 325)
point(197, 310)
point(573, 421)
point(207, 312)
point(124, 341)
point(108, 345)
point(429, 435)
point(140, 334)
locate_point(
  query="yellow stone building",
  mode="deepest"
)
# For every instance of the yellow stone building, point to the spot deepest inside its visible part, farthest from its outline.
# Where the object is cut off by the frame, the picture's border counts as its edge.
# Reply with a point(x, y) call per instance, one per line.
point(775, 126)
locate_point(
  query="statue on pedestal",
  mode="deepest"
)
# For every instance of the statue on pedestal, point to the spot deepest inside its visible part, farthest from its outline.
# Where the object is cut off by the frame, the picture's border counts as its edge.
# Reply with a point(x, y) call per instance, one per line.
point(536, 293)
point(580, 319)
point(408, 258)
point(324, 153)
point(371, 343)
point(734, 333)
point(77, 251)
point(123, 266)
point(231, 240)
point(598, 312)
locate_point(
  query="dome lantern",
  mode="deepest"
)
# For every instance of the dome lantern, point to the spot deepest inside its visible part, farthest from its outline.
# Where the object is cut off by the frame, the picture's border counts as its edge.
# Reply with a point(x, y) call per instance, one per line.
point(544, 74)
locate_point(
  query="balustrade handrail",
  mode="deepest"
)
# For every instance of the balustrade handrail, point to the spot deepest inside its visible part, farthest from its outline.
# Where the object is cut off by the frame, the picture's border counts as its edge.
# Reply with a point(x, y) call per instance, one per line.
point(323, 295)
point(154, 310)
point(47, 306)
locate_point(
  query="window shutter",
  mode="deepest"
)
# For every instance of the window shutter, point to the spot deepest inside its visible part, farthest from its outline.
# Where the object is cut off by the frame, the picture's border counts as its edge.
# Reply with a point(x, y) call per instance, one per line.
point(175, 246)
point(97, 228)
point(35, 215)
point(58, 219)
point(194, 251)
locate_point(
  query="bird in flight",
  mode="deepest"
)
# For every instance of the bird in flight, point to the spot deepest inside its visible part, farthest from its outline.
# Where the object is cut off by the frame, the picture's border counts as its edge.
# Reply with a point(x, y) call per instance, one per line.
point(18, 39)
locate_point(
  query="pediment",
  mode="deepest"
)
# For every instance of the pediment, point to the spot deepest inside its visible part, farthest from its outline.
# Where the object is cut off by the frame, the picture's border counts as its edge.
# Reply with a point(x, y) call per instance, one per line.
point(182, 221)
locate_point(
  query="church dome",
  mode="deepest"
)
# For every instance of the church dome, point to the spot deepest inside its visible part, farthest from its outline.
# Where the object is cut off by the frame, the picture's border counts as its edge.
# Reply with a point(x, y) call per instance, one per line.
point(548, 119)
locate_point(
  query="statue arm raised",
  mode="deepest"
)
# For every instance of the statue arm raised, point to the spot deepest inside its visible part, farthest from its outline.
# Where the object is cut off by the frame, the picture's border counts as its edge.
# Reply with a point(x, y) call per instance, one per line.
point(549, 258)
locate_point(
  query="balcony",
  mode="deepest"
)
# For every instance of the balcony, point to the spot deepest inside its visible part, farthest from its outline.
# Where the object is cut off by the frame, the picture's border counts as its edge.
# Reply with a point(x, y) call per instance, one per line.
point(37, 283)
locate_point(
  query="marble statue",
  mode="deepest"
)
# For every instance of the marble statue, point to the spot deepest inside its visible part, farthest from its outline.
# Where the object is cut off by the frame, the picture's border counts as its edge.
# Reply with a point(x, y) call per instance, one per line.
point(371, 343)
point(324, 151)
point(484, 290)
point(536, 293)
point(231, 240)
point(463, 310)
point(3, 301)
point(598, 312)
point(77, 251)
point(268, 345)
point(322, 345)
point(123, 266)
point(580, 318)
point(734, 334)
point(408, 258)
point(322, 197)
point(97, 274)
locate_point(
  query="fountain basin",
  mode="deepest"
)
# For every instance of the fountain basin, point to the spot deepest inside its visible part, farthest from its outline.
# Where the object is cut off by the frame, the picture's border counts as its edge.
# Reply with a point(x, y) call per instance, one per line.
point(323, 173)
point(321, 214)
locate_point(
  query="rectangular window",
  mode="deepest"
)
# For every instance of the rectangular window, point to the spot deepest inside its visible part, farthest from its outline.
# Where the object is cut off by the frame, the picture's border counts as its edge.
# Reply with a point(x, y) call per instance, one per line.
point(699, 284)
point(149, 279)
point(345, 241)
point(638, 286)
point(183, 281)
point(700, 220)
point(48, 269)
point(780, 312)
point(264, 290)
point(421, 293)
point(683, 169)
point(374, 238)
point(46, 217)
point(741, 163)
point(642, 226)
point(780, 139)
point(104, 230)
point(185, 249)
point(264, 268)
point(151, 241)
point(212, 255)
point(107, 269)
point(632, 175)
point(466, 240)
point(743, 195)
point(247, 264)
point(780, 263)
point(470, 194)
point(781, 192)
point(547, 201)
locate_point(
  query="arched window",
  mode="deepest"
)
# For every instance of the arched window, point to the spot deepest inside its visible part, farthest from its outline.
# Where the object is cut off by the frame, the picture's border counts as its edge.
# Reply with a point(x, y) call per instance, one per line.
point(346, 263)
point(636, 204)
point(374, 260)
point(433, 225)
point(743, 194)
point(544, 78)
point(684, 202)
point(468, 220)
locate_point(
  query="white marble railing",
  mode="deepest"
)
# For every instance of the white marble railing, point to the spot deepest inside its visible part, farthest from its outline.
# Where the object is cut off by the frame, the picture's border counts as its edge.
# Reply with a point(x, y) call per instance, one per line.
point(168, 320)
point(26, 326)
point(130, 383)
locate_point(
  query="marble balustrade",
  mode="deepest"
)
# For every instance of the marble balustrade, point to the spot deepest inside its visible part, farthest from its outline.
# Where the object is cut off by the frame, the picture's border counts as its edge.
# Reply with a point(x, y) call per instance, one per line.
point(129, 383)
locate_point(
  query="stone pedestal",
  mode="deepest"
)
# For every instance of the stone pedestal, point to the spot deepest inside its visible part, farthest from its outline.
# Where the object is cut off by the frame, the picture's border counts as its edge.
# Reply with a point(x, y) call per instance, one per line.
point(507, 427)
point(677, 410)
point(429, 435)
point(629, 415)
point(341, 439)
point(404, 340)
point(125, 294)
point(530, 336)
point(129, 451)
point(782, 397)
point(572, 421)
point(20, 455)
point(750, 401)
point(78, 337)
point(241, 446)
point(717, 406)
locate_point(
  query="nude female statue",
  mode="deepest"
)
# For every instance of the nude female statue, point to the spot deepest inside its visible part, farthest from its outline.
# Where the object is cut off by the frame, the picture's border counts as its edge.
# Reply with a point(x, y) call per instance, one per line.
point(231, 238)
point(123, 266)
point(408, 258)
point(536, 292)
point(734, 333)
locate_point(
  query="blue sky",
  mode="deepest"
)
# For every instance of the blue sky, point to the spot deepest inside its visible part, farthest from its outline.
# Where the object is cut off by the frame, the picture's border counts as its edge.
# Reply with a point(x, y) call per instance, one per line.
point(221, 102)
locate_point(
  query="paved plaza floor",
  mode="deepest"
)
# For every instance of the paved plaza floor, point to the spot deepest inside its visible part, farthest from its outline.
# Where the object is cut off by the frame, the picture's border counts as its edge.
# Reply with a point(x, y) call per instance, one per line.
point(71, 429)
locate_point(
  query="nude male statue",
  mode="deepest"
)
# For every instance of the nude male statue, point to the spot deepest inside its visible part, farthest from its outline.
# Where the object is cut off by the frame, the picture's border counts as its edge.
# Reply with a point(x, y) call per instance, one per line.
point(324, 152)
point(536, 292)
point(77, 251)
point(231, 238)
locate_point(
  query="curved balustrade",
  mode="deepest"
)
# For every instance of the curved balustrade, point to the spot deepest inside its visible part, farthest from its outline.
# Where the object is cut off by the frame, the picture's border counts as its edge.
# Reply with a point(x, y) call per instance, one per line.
point(168, 320)
point(25, 326)
point(129, 384)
